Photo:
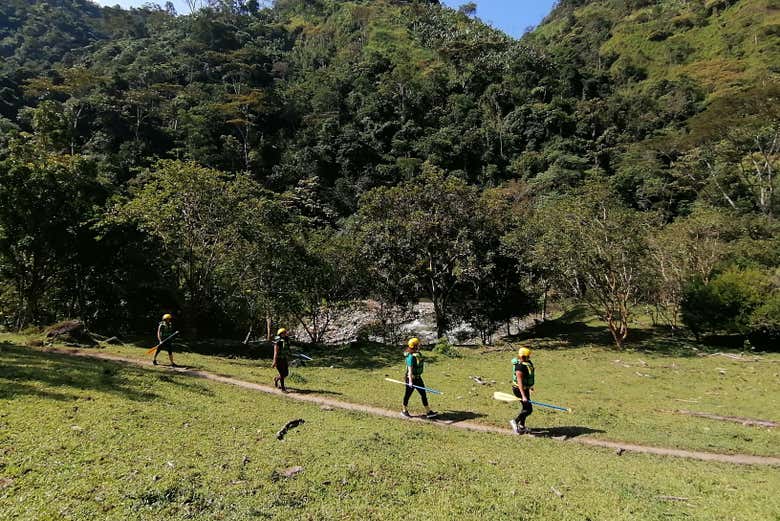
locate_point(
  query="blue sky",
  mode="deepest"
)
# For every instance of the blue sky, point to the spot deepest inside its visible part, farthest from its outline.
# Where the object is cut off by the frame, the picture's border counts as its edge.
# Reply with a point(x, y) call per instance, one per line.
point(511, 16)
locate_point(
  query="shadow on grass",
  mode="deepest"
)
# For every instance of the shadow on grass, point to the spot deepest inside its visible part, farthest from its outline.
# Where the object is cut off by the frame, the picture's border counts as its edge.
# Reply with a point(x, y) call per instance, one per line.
point(28, 372)
point(349, 356)
point(568, 431)
point(369, 355)
point(191, 386)
point(212, 347)
point(312, 391)
point(459, 416)
point(567, 334)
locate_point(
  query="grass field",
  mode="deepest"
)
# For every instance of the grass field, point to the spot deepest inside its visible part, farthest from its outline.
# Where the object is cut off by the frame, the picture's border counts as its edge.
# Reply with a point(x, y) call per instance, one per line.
point(85, 439)
point(631, 396)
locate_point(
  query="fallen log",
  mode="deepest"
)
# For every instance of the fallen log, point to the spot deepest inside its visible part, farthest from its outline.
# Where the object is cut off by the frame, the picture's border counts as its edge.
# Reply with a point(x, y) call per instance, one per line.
point(736, 419)
point(289, 425)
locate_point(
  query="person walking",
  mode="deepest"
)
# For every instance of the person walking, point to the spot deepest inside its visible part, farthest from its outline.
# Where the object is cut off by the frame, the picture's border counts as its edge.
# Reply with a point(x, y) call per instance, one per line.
point(282, 354)
point(414, 370)
point(164, 333)
point(522, 385)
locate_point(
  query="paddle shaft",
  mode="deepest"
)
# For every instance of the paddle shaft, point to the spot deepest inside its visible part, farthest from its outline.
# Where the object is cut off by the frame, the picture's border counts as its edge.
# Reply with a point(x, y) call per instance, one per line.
point(505, 397)
point(161, 343)
point(415, 386)
point(557, 408)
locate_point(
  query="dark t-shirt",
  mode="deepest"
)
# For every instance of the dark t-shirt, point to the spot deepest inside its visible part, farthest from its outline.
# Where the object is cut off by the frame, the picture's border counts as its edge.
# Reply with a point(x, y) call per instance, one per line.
point(528, 376)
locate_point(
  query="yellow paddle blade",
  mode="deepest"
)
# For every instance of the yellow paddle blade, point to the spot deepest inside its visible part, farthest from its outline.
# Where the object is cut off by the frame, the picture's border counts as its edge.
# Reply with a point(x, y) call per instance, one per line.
point(505, 397)
point(152, 350)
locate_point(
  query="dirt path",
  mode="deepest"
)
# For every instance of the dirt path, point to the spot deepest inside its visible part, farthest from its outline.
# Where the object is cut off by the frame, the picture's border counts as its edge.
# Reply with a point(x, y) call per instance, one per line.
point(620, 447)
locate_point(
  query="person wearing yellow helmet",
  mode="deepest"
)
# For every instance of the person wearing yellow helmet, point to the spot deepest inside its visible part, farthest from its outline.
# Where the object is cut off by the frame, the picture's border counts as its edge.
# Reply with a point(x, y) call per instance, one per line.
point(413, 377)
point(522, 385)
point(165, 332)
point(282, 355)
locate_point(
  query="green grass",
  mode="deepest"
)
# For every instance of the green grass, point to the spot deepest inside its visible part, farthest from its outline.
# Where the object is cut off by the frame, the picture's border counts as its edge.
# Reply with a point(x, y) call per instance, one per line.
point(85, 439)
point(629, 396)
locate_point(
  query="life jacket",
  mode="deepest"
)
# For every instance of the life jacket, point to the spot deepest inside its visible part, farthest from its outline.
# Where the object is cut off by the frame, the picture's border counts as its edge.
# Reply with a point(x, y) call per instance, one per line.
point(284, 347)
point(528, 379)
point(166, 330)
point(417, 363)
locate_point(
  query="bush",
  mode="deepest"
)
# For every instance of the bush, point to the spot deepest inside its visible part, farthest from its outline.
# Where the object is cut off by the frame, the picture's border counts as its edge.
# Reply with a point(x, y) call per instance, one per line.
point(728, 303)
point(444, 348)
point(765, 324)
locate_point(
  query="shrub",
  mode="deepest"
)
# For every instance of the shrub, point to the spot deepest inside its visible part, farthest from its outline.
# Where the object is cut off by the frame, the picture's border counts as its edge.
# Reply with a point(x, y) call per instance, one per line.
point(727, 303)
point(444, 348)
point(765, 324)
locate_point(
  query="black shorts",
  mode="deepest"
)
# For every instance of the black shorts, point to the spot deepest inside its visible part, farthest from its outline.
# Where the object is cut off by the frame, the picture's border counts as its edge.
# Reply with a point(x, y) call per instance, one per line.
point(167, 346)
point(283, 367)
point(527, 405)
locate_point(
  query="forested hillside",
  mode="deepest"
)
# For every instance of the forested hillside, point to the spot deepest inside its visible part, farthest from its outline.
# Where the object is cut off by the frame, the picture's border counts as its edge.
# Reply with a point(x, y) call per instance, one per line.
point(243, 163)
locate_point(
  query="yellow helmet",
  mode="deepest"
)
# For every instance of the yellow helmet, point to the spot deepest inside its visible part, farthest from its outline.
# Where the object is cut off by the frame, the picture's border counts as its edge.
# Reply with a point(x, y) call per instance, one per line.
point(167, 316)
point(413, 342)
point(281, 331)
point(523, 351)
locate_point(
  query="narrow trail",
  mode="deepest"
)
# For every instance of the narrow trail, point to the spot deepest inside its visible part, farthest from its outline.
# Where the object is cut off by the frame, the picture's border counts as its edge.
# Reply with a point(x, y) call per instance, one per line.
point(739, 459)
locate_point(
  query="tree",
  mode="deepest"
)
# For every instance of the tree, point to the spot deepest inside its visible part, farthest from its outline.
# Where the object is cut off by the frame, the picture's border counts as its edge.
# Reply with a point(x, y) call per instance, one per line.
point(598, 251)
point(423, 235)
point(329, 278)
point(740, 168)
point(688, 248)
point(729, 302)
point(469, 9)
point(46, 203)
point(197, 214)
point(498, 288)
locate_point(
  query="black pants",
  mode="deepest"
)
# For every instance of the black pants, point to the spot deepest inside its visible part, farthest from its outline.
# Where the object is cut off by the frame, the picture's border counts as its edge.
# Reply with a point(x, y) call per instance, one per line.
point(526, 408)
point(416, 380)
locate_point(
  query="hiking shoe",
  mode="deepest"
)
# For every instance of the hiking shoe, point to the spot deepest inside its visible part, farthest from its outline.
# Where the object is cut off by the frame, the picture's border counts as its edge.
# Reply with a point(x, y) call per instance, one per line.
point(406, 414)
point(431, 414)
point(154, 362)
point(515, 428)
point(175, 365)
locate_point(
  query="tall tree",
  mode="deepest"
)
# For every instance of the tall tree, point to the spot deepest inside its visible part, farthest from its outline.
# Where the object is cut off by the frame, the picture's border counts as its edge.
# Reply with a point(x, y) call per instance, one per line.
point(598, 249)
point(427, 227)
point(46, 204)
point(196, 213)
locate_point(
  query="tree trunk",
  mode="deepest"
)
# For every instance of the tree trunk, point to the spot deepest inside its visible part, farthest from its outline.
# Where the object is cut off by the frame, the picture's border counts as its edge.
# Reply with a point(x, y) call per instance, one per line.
point(441, 318)
point(615, 335)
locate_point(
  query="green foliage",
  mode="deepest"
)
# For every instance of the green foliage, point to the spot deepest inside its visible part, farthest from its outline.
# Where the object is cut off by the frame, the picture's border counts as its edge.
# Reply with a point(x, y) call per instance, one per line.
point(688, 249)
point(596, 249)
point(423, 235)
point(46, 204)
point(737, 301)
point(198, 215)
point(765, 323)
point(183, 122)
point(444, 348)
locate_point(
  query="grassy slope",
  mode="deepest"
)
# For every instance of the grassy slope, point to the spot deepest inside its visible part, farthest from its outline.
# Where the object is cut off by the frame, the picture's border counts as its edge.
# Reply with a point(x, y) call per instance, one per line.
point(730, 48)
point(732, 51)
point(624, 396)
point(81, 439)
